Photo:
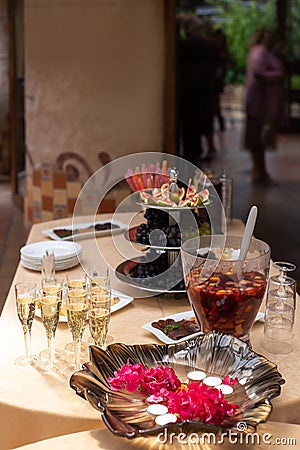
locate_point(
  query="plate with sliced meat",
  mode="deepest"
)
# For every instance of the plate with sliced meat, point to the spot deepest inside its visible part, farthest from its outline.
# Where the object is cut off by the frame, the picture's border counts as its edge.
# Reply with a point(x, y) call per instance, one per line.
point(178, 327)
point(175, 328)
point(86, 230)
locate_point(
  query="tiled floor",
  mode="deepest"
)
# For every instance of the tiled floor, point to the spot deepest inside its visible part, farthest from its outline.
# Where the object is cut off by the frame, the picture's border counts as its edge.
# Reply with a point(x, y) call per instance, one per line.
point(279, 206)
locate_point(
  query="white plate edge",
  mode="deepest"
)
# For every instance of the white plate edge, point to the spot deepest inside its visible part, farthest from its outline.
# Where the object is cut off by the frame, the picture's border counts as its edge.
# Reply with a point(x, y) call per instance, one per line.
point(44, 244)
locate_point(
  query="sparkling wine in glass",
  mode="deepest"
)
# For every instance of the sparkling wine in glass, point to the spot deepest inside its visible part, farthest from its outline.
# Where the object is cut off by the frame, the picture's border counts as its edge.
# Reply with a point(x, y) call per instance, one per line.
point(99, 280)
point(26, 293)
point(77, 318)
point(76, 280)
point(99, 317)
point(50, 308)
point(54, 287)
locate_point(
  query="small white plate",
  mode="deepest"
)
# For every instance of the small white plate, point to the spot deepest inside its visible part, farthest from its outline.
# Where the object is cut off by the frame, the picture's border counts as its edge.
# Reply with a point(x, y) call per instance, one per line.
point(177, 317)
point(124, 301)
point(88, 234)
point(61, 250)
point(60, 265)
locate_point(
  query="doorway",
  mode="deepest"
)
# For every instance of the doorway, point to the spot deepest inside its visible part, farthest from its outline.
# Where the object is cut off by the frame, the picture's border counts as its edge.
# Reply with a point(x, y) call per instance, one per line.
point(16, 89)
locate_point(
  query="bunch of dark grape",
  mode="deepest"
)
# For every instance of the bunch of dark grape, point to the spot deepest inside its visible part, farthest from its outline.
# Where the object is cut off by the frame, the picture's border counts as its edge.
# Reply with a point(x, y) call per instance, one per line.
point(173, 235)
point(158, 220)
point(149, 268)
point(150, 265)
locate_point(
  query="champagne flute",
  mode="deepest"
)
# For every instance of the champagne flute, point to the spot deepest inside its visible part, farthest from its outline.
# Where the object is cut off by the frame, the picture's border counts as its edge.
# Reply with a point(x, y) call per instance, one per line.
point(53, 287)
point(99, 280)
point(77, 317)
point(25, 293)
point(99, 317)
point(50, 308)
point(99, 285)
point(76, 280)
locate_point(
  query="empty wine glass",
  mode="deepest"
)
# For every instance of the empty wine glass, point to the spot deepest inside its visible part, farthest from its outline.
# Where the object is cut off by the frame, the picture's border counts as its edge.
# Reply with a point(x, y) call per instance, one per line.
point(26, 294)
point(280, 310)
point(50, 308)
point(48, 265)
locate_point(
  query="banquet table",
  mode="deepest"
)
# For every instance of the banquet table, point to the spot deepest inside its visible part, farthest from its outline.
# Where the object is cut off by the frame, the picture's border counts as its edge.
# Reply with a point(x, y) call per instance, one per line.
point(35, 406)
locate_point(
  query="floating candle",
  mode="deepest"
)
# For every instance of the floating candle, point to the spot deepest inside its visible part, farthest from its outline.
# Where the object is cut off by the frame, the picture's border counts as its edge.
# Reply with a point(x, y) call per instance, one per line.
point(196, 375)
point(157, 409)
point(225, 389)
point(164, 419)
point(212, 381)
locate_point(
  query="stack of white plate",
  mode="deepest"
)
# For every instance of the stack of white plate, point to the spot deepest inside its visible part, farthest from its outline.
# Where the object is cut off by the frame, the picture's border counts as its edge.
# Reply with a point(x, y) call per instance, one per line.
point(66, 254)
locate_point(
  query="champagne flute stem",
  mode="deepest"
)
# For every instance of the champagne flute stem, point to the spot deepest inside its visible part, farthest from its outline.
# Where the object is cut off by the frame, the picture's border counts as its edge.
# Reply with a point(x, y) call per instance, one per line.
point(51, 350)
point(27, 339)
point(77, 345)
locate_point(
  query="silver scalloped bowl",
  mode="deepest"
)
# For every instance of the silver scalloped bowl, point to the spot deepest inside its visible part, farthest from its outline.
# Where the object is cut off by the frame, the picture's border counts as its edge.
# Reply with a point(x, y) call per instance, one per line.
point(218, 354)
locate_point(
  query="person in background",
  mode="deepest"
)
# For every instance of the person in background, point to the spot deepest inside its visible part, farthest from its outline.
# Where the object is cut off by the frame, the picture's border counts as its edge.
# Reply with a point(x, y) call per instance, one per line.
point(220, 41)
point(197, 65)
point(265, 88)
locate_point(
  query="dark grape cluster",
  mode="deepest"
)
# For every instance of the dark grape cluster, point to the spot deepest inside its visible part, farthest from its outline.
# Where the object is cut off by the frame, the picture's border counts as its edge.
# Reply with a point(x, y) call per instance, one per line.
point(170, 235)
point(158, 232)
point(158, 220)
point(147, 268)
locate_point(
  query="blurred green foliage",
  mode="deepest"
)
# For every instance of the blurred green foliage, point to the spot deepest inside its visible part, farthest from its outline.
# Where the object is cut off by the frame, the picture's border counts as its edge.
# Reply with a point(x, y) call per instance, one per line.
point(295, 82)
point(293, 29)
point(239, 21)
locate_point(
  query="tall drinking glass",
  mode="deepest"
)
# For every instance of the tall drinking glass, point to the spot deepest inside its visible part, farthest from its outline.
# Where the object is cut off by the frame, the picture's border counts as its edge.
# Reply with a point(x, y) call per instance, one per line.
point(50, 308)
point(225, 293)
point(99, 280)
point(99, 285)
point(26, 293)
point(76, 280)
point(77, 307)
point(280, 311)
point(53, 286)
point(99, 317)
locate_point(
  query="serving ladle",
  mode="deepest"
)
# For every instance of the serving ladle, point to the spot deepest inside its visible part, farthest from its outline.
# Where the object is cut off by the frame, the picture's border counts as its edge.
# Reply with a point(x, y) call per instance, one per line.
point(248, 233)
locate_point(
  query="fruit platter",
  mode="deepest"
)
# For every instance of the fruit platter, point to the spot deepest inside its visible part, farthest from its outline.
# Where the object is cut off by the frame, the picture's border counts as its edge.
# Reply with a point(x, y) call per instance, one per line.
point(179, 198)
point(173, 213)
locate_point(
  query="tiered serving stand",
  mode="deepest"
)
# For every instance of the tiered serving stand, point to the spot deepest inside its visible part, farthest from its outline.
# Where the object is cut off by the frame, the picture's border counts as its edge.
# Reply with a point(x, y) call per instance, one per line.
point(125, 270)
